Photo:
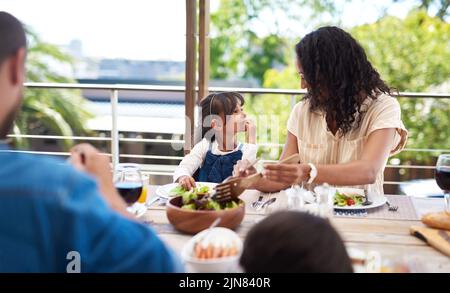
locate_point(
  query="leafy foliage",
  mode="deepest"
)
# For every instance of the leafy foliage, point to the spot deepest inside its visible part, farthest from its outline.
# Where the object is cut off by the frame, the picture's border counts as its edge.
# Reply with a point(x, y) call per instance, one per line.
point(412, 55)
point(238, 48)
point(49, 111)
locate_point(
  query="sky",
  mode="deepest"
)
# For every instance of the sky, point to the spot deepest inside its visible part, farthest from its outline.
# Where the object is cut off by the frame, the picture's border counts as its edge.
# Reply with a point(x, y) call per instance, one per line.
point(134, 29)
point(144, 29)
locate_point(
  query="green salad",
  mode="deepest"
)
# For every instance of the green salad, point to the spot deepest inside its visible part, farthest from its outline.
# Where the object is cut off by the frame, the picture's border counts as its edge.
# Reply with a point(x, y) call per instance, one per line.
point(199, 198)
point(342, 199)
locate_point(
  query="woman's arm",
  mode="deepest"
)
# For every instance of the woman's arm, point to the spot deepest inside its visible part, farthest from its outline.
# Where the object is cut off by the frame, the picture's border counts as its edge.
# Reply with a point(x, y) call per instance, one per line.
point(359, 172)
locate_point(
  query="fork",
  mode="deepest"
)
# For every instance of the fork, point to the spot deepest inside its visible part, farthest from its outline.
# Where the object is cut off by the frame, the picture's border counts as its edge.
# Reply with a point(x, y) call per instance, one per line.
point(257, 203)
point(232, 187)
point(266, 203)
point(391, 207)
point(366, 202)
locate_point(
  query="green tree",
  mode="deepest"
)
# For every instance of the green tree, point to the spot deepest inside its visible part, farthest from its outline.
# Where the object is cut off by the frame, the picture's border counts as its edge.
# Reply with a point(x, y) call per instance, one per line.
point(440, 6)
point(273, 105)
point(47, 111)
point(239, 50)
point(412, 55)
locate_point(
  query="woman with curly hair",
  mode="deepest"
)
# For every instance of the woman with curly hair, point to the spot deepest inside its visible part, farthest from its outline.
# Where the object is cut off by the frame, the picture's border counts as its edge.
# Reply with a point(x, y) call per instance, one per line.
point(346, 126)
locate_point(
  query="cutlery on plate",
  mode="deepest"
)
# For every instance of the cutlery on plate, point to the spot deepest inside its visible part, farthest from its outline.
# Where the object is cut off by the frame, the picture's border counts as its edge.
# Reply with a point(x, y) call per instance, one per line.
point(366, 202)
point(267, 203)
point(258, 202)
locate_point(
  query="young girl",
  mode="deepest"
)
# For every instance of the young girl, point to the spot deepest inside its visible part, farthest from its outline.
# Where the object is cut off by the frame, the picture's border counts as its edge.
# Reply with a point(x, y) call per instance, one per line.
point(213, 158)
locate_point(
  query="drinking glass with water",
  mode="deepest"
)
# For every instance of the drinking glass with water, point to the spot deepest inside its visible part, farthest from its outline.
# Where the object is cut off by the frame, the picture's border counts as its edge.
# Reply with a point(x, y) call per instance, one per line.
point(325, 199)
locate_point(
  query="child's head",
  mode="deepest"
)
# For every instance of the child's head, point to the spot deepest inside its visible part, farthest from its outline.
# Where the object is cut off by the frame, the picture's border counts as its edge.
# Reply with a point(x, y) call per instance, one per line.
point(294, 242)
point(222, 114)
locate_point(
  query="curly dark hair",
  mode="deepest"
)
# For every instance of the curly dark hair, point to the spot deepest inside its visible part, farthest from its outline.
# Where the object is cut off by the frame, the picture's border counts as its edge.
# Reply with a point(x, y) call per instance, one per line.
point(339, 76)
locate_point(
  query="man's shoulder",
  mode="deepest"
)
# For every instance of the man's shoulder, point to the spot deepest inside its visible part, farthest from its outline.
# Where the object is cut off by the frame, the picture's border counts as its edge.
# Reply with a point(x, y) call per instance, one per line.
point(38, 172)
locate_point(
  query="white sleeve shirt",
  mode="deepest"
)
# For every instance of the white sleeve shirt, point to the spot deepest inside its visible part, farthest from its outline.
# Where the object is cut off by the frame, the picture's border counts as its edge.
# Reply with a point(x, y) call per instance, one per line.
point(194, 160)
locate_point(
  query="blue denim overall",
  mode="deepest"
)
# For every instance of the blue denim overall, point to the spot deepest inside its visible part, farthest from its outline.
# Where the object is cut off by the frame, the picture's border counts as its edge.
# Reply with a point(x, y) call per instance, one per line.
point(217, 168)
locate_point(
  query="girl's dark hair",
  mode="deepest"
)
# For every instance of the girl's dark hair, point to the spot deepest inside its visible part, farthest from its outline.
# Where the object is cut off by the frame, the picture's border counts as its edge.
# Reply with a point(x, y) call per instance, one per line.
point(300, 243)
point(339, 75)
point(220, 104)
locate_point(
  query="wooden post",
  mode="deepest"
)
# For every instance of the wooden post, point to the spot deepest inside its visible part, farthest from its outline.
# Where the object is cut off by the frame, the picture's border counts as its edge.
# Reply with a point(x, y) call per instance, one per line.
point(190, 75)
point(203, 62)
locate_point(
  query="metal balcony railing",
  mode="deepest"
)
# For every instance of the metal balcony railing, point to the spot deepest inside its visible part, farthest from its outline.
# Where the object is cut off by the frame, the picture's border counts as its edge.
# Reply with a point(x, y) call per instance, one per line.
point(114, 139)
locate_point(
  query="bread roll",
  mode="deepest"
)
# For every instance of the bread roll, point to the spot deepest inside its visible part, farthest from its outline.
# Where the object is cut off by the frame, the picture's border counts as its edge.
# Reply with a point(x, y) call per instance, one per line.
point(437, 220)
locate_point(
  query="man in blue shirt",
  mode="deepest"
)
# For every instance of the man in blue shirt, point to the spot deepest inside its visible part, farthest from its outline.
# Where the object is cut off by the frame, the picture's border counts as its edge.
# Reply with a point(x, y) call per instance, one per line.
point(55, 217)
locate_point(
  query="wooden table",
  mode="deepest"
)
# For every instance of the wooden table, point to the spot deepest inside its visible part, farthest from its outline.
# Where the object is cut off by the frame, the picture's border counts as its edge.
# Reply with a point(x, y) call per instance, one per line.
point(389, 238)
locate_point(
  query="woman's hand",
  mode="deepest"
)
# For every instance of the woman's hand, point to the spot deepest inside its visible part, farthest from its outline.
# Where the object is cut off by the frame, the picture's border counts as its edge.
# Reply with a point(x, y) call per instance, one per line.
point(243, 169)
point(287, 173)
point(187, 182)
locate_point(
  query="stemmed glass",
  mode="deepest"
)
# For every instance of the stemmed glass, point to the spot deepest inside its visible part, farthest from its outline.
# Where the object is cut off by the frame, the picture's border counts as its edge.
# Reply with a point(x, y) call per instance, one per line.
point(442, 176)
point(128, 182)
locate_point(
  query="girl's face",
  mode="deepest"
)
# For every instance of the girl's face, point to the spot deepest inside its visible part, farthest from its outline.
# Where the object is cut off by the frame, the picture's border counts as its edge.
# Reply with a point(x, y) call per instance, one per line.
point(235, 122)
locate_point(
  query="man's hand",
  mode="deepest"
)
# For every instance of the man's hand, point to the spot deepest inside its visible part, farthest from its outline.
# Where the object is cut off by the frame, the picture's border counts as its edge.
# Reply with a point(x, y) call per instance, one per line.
point(86, 158)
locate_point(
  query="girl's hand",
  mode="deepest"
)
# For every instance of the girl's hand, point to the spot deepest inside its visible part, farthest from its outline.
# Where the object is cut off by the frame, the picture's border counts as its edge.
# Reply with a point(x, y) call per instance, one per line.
point(240, 169)
point(287, 173)
point(187, 182)
point(250, 131)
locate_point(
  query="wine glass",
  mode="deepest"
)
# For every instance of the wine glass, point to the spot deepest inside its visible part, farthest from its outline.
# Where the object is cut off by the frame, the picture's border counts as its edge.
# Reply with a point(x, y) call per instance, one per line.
point(128, 182)
point(442, 175)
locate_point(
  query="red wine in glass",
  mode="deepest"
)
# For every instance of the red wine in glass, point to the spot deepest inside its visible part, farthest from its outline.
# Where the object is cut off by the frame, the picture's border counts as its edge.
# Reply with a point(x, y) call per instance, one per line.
point(128, 182)
point(442, 176)
point(130, 191)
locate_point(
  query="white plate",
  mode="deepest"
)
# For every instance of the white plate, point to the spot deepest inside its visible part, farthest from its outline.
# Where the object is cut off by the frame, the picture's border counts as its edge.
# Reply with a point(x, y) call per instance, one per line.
point(138, 209)
point(376, 199)
point(164, 190)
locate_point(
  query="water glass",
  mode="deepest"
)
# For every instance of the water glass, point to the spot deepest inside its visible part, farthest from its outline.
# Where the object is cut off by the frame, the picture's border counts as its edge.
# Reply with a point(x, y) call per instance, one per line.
point(325, 200)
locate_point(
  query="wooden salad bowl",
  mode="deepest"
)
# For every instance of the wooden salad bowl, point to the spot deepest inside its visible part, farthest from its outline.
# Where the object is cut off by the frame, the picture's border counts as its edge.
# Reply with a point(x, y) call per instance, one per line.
point(194, 221)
